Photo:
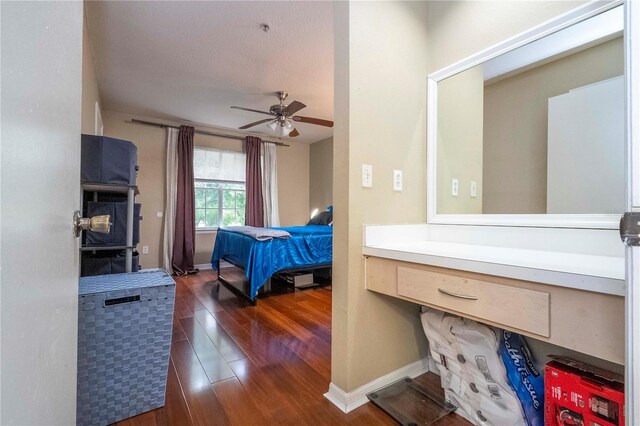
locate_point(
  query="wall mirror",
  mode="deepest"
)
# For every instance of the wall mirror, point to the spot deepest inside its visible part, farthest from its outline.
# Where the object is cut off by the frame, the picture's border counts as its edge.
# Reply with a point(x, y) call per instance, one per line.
point(530, 132)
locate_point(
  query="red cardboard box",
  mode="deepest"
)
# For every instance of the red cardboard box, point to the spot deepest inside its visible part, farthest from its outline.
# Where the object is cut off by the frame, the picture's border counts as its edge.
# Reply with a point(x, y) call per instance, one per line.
point(577, 394)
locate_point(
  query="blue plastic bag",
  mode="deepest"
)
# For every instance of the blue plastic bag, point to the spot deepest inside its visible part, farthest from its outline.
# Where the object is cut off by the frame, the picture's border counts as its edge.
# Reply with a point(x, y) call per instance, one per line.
point(523, 376)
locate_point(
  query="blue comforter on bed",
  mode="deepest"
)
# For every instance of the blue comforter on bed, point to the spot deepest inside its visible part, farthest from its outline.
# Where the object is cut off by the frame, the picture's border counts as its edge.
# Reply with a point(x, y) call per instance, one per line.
point(308, 246)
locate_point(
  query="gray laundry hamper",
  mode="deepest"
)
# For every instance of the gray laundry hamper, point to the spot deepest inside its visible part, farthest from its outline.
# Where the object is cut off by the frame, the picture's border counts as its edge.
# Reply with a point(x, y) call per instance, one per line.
point(124, 340)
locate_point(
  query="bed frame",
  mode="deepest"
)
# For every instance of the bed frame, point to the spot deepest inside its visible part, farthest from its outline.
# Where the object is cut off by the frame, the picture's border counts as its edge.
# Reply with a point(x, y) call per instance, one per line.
point(243, 288)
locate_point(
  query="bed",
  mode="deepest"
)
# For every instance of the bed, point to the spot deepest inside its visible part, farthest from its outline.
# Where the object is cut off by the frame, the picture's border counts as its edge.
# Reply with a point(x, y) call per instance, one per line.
point(309, 247)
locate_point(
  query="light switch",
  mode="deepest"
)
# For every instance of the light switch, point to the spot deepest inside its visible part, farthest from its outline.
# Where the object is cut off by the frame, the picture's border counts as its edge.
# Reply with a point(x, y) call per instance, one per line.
point(397, 180)
point(454, 187)
point(145, 249)
point(367, 176)
point(474, 189)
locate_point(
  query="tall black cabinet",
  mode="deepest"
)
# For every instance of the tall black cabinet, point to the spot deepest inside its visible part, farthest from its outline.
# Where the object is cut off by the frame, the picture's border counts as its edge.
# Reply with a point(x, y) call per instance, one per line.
point(108, 186)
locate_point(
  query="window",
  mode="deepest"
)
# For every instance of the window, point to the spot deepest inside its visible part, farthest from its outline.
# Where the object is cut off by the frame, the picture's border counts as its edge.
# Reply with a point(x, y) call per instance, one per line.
point(219, 187)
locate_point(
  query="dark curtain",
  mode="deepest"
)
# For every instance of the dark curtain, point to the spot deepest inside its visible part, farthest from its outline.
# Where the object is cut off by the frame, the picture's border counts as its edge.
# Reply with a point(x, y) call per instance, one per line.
point(185, 230)
point(254, 210)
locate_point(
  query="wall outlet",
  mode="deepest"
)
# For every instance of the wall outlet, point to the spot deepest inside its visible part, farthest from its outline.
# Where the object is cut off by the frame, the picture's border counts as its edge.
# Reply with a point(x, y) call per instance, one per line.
point(397, 180)
point(474, 189)
point(145, 249)
point(454, 187)
point(367, 176)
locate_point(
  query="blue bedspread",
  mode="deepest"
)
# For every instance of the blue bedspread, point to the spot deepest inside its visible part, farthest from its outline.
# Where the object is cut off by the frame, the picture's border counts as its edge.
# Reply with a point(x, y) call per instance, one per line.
point(308, 246)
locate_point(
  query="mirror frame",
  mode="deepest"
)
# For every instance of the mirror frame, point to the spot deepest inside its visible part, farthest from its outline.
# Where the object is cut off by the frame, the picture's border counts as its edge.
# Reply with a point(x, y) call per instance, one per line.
point(588, 221)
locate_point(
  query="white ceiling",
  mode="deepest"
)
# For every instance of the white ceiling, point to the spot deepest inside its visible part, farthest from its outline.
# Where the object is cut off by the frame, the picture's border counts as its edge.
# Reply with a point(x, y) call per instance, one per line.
point(191, 61)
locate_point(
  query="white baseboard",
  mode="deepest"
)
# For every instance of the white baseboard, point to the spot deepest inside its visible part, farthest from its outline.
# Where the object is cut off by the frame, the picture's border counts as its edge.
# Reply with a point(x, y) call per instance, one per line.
point(203, 266)
point(348, 401)
point(433, 367)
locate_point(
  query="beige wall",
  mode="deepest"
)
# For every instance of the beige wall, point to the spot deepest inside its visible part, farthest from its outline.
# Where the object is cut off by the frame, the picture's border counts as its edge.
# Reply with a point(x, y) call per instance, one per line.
point(515, 128)
point(380, 102)
point(458, 29)
point(293, 182)
point(460, 104)
point(90, 92)
point(320, 175)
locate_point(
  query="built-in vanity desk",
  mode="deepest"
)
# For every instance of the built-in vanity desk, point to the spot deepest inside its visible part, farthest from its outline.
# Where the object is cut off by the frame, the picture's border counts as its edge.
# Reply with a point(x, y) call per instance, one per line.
point(549, 290)
point(526, 182)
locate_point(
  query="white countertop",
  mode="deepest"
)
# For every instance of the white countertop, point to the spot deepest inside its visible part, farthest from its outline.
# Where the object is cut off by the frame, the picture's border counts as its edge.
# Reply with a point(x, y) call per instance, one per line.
point(593, 272)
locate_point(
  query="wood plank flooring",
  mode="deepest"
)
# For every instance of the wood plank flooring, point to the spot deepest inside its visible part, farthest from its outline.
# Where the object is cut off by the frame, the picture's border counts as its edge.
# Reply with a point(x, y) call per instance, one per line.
point(236, 364)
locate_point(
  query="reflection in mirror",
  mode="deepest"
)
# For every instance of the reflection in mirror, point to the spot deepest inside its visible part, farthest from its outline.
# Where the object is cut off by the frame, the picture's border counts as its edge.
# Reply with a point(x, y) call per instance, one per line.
point(539, 129)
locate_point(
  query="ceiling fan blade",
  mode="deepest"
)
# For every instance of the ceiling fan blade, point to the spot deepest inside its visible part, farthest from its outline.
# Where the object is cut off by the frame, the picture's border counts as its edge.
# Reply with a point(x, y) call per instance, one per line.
point(312, 120)
point(255, 123)
point(293, 107)
point(294, 133)
point(252, 110)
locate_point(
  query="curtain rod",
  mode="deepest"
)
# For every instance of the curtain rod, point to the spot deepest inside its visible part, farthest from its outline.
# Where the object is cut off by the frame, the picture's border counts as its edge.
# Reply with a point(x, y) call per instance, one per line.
point(202, 132)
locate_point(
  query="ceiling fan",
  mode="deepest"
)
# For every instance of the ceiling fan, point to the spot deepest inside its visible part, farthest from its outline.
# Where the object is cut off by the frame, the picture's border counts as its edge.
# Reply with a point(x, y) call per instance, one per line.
point(282, 117)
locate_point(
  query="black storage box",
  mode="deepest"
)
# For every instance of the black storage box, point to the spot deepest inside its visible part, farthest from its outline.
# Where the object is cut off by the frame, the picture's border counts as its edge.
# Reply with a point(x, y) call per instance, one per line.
point(118, 234)
point(107, 262)
point(108, 160)
point(322, 275)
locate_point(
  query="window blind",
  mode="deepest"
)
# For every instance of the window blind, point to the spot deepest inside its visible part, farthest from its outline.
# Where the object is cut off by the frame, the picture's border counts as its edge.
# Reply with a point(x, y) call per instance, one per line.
point(216, 164)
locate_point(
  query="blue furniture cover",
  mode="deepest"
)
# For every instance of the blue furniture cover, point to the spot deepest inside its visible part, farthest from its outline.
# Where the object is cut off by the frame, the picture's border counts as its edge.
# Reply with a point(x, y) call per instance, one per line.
point(308, 246)
point(124, 338)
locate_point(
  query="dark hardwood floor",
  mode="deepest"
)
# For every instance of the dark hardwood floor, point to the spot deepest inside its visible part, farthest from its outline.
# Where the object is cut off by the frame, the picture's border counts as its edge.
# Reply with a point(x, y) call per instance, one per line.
point(236, 364)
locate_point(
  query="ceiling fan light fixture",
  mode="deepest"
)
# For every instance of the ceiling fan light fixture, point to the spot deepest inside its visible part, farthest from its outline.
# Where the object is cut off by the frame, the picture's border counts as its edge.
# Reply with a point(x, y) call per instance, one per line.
point(282, 129)
point(273, 125)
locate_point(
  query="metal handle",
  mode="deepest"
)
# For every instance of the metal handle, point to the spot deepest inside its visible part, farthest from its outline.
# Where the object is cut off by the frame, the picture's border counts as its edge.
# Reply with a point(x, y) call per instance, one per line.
point(101, 224)
point(121, 300)
point(459, 296)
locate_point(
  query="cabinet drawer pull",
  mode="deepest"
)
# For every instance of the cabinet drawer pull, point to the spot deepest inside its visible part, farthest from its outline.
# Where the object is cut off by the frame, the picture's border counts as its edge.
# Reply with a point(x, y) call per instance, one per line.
point(459, 296)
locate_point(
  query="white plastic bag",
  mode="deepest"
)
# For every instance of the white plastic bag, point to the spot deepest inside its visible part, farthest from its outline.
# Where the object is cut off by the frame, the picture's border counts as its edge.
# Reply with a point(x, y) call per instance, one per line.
point(471, 370)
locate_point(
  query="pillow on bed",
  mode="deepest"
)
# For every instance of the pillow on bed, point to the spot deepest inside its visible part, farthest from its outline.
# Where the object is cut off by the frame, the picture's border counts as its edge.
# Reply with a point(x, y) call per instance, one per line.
point(322, 218)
